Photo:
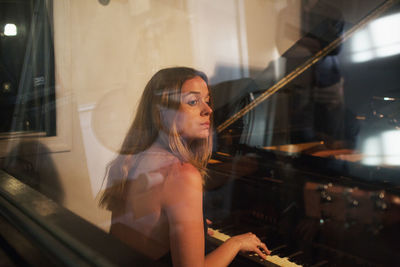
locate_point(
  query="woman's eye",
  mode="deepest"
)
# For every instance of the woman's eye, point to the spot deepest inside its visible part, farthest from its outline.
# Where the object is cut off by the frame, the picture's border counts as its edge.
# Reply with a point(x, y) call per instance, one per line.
point(193, 102)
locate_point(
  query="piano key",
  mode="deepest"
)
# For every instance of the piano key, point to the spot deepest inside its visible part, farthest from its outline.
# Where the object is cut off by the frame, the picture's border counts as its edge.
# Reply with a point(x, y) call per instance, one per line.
point(277, 248)
point(220, 236)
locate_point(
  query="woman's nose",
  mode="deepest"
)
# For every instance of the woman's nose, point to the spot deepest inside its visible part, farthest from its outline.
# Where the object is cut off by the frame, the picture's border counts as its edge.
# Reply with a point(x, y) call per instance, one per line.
point(206, 109)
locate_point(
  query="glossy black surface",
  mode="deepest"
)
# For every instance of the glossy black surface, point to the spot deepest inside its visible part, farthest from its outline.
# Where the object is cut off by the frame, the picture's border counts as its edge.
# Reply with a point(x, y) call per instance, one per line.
point(315, 168)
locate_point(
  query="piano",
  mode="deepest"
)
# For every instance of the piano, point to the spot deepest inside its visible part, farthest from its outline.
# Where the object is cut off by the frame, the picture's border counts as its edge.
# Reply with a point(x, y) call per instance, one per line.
point(308, 158)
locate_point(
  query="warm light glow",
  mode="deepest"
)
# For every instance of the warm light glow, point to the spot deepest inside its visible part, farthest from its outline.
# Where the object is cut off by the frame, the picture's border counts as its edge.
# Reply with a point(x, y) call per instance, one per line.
point(10, 29)
point(377, 40)
point(360, 118)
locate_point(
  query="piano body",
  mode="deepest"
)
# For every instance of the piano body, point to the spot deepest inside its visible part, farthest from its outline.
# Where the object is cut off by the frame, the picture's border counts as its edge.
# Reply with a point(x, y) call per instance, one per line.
point(309, 159)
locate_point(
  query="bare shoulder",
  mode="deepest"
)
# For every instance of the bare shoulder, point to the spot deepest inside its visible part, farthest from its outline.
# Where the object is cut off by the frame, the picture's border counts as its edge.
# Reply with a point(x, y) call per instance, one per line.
point(183, 182)
point(185, 173)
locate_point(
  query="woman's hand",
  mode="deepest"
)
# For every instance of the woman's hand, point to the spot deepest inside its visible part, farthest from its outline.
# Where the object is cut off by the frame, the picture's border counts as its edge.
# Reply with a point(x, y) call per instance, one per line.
point(209, 231)
point(249, 242)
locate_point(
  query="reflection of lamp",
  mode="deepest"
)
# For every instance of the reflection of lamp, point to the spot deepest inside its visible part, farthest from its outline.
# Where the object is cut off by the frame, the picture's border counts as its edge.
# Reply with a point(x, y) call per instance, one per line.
point(10, 29)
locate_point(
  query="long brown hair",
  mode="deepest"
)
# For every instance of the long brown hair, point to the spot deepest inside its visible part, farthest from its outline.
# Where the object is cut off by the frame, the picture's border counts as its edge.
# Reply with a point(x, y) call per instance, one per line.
point(161, 94)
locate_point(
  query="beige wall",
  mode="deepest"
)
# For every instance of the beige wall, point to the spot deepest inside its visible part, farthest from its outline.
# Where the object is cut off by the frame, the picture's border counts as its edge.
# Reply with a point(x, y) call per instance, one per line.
point(272, 27)
point(106, 54)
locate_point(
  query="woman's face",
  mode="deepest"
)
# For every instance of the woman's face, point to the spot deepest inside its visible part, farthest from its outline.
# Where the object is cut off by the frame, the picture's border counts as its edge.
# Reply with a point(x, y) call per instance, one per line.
point(193, 118)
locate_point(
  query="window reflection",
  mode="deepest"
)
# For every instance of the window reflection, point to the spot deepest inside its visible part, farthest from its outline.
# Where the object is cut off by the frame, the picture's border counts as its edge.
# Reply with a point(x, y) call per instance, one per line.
point(382, 149)
point(377, 40)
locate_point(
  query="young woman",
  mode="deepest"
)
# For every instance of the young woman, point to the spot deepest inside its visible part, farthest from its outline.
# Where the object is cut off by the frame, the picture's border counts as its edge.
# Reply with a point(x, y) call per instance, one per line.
point(155, 185)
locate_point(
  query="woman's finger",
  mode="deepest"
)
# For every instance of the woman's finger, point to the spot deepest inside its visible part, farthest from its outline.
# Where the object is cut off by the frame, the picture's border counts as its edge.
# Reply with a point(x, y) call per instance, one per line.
point(208, 221)
point(264, 247)
point(259, 252)
point(210, 232)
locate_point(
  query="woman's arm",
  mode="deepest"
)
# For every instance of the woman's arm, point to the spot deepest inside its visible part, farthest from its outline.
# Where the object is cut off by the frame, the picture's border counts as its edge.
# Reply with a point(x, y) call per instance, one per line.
point(182, 201)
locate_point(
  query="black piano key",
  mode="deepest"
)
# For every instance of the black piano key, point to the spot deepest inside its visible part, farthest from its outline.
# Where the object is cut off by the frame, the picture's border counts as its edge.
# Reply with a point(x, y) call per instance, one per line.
point(304, 259)
point(284, 252)
point(300, 259)
point(323, 263)
point(242, 230)
point(226, 228)
point(271, 240)
point(218, 224)
point(230, 231)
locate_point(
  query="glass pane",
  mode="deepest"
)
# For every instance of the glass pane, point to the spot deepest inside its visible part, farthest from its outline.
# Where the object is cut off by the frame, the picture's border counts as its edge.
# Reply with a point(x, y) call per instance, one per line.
point(297, 143)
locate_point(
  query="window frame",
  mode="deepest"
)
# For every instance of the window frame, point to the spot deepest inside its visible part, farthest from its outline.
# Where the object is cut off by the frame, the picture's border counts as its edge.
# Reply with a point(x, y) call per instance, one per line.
point(62, 141)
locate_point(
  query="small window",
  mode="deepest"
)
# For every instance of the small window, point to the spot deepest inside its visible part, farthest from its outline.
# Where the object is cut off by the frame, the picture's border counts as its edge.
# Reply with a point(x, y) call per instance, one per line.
point(27, 83)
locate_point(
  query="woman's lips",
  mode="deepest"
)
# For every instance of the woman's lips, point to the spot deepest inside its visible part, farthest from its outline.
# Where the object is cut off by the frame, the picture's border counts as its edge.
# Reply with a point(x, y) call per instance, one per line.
point(206, 124)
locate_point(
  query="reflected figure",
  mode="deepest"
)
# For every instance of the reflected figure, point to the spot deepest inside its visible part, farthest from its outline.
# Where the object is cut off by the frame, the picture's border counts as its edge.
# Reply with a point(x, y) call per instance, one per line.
point(318, 95)
point(328, 81)
point(155, 185)
point(31, 163)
